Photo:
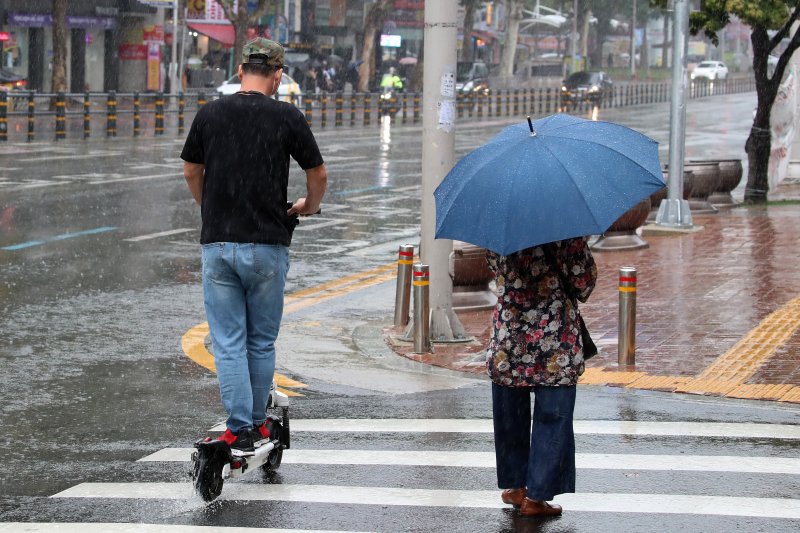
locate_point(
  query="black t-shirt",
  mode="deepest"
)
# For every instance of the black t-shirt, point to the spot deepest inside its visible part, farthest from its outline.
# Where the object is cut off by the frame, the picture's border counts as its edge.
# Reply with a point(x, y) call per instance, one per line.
point(245, 141)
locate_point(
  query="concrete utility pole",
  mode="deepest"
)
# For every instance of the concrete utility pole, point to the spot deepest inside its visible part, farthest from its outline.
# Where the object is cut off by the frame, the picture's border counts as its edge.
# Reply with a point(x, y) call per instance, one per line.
point(438, 149)
point(173, 63)
point(633, 41)
point(674, 211)
point(573, 40)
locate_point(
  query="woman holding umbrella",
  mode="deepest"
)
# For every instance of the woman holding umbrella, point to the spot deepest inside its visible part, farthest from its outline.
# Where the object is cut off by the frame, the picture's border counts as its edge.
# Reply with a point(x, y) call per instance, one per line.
point(536, 347)
point(528, 196)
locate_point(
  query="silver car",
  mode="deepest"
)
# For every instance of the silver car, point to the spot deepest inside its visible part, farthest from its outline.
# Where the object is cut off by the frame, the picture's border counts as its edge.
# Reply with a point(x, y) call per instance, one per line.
point(288, 90)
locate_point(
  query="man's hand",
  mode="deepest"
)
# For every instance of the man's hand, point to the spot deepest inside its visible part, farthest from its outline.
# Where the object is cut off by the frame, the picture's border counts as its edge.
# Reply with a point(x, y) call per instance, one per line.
point(316, 183)
point(300, 207)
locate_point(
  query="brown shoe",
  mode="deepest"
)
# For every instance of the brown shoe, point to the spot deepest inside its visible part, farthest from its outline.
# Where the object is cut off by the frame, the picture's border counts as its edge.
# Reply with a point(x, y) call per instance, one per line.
point(538, 508)
point(513, 496)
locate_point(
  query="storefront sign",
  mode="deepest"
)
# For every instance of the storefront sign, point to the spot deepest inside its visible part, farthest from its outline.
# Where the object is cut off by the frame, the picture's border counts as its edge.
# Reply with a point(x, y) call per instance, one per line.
point(45, 20)
point(153, 67)
point(207, 10)
point(132, 52)
point(153, 34)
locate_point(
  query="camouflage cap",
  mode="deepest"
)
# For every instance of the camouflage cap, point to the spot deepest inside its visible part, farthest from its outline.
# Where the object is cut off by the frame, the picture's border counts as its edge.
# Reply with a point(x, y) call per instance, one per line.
point(263, 52)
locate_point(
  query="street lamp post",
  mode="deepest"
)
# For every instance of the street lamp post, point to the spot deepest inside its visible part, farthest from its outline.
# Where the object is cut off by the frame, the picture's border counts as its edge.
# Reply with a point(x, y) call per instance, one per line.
point(438, 149)
point(674, 210)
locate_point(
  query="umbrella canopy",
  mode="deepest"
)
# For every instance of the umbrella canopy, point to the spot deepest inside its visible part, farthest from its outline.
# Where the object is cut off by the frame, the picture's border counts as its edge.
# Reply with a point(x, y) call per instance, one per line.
point(408, 61)
point(333, 58)
point(569, 177)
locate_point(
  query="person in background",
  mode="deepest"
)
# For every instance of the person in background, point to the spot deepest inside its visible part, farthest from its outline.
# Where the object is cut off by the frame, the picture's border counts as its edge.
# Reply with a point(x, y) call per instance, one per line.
point(536, 348)
point(391, 80)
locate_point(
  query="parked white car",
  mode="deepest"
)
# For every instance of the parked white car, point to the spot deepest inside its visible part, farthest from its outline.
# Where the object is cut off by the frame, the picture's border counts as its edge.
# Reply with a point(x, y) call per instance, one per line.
point(711, 70)
point(288, 91)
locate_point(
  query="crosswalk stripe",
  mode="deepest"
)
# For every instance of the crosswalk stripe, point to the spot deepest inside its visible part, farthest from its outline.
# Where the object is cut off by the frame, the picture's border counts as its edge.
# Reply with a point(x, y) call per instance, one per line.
point(593, 427)
point(489, 499)
point(605, 461)
point(108, 527)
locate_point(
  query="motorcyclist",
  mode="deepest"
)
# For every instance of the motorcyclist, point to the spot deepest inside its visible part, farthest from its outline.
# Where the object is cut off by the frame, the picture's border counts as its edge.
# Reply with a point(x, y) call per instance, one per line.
point(391, 80)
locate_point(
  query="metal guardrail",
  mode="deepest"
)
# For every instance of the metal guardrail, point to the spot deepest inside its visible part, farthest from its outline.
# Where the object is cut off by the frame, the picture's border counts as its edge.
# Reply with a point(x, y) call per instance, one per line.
point(30, 115)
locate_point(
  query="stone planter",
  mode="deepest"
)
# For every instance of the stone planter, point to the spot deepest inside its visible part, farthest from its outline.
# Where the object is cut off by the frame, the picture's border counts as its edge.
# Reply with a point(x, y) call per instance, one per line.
point(706, 179)
point(621, 235)
point(471, 277)
point(658, 196)
point(730, 174)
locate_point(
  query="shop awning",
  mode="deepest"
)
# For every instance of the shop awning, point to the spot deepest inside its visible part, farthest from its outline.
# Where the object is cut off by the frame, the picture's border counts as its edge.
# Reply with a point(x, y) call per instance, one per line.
point(223, 33)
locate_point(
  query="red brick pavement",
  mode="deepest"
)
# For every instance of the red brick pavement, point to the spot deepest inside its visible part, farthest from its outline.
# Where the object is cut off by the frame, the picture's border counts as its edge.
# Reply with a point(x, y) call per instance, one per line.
point(698, 295)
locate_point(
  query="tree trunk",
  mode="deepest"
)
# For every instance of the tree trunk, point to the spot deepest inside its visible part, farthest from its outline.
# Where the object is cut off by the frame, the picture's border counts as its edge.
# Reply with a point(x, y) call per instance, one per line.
point(59, 80)
point(466, 41)
point(241, 19)
point(240, 27)
point(602, 29)
point(372, 24)
point(759, 142)
point(513, 17)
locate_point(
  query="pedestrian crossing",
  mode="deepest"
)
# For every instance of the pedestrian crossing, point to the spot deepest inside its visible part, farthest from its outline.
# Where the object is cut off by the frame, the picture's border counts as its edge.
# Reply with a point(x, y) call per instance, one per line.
point(398, 465)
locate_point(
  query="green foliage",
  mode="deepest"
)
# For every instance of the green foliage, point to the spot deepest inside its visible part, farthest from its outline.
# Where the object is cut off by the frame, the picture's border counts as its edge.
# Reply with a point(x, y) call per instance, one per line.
point(714, 15)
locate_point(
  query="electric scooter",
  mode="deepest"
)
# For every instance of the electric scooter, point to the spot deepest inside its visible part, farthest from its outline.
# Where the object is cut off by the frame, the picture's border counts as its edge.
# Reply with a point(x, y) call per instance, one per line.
point(213, 461)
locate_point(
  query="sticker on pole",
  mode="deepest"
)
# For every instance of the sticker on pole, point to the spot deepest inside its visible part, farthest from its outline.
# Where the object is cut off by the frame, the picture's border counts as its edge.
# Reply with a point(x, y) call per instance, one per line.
point(447, 115)
point(448, 88)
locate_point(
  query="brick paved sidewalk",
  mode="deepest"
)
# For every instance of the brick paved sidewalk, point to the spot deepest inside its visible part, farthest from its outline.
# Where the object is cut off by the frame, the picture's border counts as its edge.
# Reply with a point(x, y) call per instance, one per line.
point(718, 311)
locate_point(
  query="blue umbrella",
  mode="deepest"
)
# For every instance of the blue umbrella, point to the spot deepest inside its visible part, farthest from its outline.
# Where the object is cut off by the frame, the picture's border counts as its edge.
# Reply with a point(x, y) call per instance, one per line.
point(543, 181)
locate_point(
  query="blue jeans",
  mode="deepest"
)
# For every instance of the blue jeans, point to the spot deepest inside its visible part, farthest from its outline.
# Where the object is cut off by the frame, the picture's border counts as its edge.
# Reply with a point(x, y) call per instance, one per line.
point(243, 293)
point(543, 460)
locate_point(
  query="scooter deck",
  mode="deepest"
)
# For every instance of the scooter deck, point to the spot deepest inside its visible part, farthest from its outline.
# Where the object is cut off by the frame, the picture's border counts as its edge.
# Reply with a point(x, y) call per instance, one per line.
point(239, 466)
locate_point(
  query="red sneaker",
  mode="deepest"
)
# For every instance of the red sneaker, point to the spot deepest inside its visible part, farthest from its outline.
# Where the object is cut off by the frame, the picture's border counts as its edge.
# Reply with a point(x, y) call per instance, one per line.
point(241, 443)
point(260, 435)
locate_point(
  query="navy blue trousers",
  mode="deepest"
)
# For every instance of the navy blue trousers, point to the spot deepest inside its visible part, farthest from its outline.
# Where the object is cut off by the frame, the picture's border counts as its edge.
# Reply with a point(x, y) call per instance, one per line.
point(543, 460)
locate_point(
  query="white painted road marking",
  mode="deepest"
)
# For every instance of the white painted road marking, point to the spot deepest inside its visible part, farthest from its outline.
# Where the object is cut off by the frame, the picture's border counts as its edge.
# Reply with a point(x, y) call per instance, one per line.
point(54, 157)
point(106, 527)
point(595, 427)
point(605, 461)
point(487, 499)
point(137, 178)
point(330, 222)
point(159, 234)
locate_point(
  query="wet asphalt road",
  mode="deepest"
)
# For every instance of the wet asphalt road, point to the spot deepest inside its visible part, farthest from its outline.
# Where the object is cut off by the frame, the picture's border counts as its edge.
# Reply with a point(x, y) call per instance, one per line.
point(100, 279)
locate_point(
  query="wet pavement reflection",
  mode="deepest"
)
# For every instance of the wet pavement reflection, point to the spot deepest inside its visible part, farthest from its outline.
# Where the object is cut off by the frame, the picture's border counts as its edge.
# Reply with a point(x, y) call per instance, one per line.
point(99, 278)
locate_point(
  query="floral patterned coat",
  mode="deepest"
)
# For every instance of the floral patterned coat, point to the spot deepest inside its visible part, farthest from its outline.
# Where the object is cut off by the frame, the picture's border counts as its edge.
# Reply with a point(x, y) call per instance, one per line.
point(536, 336)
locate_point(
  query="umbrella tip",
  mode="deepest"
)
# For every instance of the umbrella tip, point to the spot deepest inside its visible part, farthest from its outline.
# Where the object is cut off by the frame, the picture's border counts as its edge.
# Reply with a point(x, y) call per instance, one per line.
point(530, 125)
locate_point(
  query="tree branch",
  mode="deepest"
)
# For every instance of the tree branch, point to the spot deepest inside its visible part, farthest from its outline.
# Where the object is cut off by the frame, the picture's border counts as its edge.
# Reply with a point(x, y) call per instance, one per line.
point(260, 11)
point(786, 56)
point(227, 8)
point(784, 31)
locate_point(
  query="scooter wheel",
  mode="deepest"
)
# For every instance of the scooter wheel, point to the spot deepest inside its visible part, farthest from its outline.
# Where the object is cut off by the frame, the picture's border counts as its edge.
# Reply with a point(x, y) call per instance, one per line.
point(273, 460)
point(208, 479)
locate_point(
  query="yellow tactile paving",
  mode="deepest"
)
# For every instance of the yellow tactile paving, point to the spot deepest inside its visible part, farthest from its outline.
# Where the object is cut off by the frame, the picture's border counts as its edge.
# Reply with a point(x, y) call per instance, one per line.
point(746, 356)
point(727, 375)
point(658, 382)
point(193, 344)
point(193, 341)
point(760, 391)
point(599, 376)
point(791, 396)
point(325, 291)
